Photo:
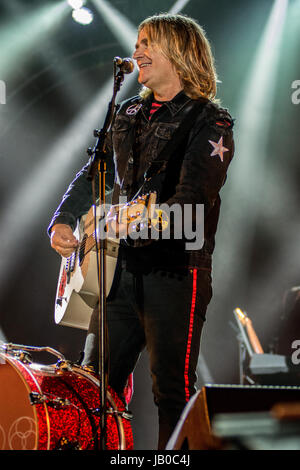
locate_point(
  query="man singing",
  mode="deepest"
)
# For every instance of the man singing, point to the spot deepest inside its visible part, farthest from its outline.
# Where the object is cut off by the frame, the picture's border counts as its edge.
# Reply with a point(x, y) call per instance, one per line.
point(174, 139)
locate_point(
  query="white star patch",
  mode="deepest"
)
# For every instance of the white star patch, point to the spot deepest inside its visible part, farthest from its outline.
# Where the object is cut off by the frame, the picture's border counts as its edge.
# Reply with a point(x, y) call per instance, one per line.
point(218, 149)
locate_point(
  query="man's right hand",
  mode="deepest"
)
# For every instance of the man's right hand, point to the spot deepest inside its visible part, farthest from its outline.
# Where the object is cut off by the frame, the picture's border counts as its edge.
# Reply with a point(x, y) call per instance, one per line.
point(63, 240)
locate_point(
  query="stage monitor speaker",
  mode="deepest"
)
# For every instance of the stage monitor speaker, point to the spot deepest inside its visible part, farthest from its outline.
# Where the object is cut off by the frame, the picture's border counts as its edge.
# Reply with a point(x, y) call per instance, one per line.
point(194, 428)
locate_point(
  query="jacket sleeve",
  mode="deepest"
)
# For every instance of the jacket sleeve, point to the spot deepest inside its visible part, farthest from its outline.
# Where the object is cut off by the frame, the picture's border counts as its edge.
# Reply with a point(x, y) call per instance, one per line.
point(76, 201)
point(205, 163)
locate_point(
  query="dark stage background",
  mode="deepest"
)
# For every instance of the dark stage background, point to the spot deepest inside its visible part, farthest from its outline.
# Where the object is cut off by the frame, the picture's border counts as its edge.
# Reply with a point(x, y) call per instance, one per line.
point(53, 72)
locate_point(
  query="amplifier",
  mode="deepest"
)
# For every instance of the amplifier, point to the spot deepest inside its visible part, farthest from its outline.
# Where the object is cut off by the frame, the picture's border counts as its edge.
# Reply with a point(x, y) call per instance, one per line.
point(194, 430)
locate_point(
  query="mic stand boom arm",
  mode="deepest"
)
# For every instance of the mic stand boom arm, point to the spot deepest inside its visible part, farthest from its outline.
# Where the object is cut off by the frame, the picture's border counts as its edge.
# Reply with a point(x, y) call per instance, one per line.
point(98, 167)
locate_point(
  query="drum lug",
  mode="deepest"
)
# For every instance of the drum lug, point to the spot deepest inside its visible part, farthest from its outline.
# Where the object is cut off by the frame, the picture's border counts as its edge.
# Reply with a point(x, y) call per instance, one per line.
point(37, 398)
point(64, 365)
point(25, 357)
point(56, 402)
point(66, 444)
point(127, 415)
point(110, 411)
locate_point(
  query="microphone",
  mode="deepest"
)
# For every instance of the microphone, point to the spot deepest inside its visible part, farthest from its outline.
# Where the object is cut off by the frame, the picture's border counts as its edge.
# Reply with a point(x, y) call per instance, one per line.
point(125, 65)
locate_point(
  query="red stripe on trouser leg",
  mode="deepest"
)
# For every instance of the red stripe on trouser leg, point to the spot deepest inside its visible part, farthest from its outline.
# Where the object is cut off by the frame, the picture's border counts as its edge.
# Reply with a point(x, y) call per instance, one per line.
point(190, 334)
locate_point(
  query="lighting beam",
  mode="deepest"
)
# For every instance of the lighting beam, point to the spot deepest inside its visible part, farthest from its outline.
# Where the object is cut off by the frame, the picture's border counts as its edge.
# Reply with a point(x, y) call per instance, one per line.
point(178, 6)
point(56, 64)
point(123, 30)
point(56, 163)
point(245, 193)
point(16, 227)
point(20, 37)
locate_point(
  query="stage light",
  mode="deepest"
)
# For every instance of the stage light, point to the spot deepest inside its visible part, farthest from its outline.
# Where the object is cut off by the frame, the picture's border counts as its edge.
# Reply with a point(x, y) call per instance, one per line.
point(83, 16)
point(76, 4)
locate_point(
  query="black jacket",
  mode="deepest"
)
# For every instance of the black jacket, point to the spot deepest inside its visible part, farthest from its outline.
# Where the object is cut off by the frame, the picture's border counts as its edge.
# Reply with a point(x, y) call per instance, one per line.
point(193, 174)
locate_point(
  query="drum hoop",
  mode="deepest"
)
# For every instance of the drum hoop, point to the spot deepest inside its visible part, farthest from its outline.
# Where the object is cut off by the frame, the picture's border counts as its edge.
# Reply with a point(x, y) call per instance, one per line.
point(18, 365)
point(53, 370)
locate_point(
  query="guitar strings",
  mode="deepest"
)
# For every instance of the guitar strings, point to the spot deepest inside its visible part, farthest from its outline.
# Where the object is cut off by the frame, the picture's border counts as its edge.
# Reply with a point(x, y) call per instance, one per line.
point(82, 246)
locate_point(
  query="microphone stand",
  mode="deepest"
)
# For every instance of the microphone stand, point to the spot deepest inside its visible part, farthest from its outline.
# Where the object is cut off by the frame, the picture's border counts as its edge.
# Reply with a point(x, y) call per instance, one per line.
point(98, 167)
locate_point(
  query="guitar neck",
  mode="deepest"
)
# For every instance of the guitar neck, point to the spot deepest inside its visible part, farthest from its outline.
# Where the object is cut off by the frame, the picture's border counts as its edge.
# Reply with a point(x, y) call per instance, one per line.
point(137, 210)
point(88, 244)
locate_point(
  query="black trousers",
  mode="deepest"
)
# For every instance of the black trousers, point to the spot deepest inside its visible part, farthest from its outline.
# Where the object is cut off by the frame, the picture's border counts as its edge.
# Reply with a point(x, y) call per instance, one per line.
point(164, 313)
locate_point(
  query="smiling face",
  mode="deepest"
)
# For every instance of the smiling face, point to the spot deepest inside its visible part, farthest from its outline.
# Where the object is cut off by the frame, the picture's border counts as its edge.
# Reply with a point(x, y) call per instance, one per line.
point(155, 70)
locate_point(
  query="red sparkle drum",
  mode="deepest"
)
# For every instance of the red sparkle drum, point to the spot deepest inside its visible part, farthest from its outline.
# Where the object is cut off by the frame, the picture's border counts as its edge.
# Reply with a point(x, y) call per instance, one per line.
point(55, 407)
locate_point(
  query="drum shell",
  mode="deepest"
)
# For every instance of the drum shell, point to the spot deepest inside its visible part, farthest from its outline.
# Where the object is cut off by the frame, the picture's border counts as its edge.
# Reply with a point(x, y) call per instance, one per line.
point(62, 414)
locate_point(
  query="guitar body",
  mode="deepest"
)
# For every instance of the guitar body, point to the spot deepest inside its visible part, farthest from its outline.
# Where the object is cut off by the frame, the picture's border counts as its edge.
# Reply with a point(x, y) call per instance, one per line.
point(77, 289)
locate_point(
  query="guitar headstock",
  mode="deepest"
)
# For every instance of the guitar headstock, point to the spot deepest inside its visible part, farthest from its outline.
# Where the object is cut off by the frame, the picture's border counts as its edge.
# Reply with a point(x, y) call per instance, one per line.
point(142, 206)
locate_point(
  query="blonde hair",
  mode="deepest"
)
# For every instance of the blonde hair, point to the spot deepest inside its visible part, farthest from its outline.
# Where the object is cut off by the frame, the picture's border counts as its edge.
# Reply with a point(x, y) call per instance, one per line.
point(184, 43)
